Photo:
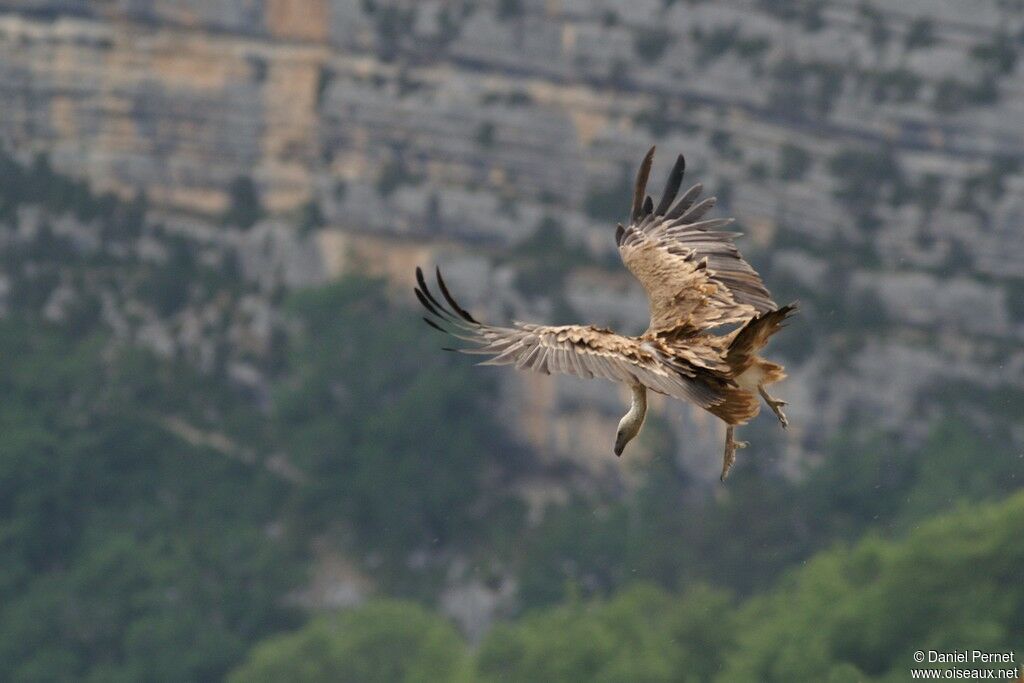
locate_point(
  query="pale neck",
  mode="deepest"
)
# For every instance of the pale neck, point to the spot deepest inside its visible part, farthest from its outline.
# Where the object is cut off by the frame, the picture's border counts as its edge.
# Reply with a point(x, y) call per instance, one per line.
point(634, 419)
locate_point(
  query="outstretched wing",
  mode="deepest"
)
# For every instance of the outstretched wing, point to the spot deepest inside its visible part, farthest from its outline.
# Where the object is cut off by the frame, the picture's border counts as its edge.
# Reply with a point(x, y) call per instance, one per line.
point(583, 351)
point(690, 268)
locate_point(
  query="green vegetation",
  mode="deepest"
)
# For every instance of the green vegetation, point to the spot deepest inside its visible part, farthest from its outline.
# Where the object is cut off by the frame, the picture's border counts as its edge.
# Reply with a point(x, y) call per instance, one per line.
point(876, 25)
point(393, 24)
point(510, 9)
point(794, 162)
point(244, 207)
point(153, 520)
point(156, 522)
point(131, 546)
point(38, 183)
point(485, 134)
point(716, 43)
point(851, 613)
point(643, 634)
point(807, 12)
point(721, 40)
point(998, 56)
point(865, 482)
point(865, 179)
point(125, 550)
point(383, 642)
point(393, 175)
point(311, 217)
point(359, 397)
point(952, 95)
point(605, 203)
point(860, 614)
point(920, 34)
point(721, 141)
point(893, 85)
point(758, 171)
point(805, 89)
point(543, 260)
point(650, 43)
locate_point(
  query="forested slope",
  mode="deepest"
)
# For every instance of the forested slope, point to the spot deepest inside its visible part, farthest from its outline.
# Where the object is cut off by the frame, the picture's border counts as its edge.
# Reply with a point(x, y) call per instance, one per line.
point(159, 519)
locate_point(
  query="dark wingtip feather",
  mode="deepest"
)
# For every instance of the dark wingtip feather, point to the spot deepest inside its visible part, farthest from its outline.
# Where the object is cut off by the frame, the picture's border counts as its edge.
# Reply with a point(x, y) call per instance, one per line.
point(434, 325)
point(648, 206)
point(619, 232)
point(451, 300)
point(426, 303)
point(426, 290)
point(675, 179)
point(685, 202)
point(641, 184)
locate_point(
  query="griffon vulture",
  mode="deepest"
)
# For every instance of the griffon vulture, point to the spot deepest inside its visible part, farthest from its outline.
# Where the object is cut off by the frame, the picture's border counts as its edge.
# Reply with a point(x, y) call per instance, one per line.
point(697, 286)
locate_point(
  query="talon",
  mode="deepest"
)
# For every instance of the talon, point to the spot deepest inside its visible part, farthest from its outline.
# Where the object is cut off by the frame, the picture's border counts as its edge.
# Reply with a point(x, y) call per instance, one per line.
point(776, 407)
point(727, 463)
point(729, 457)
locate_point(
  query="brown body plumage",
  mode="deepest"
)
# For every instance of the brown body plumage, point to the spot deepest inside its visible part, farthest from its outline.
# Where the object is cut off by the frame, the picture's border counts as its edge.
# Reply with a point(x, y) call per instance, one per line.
point(697, 285)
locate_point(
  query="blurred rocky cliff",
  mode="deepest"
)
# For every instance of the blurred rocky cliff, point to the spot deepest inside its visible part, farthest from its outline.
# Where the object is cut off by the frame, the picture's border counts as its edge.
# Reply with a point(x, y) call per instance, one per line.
point(871, 152)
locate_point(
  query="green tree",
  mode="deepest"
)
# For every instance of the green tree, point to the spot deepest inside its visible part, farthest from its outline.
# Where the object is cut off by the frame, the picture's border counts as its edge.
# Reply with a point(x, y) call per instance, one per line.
point(385, 641)
point(860, 613)
point(244, 207)
point(642, 634)
point(311, 217)
point(864, 179)
point(920, 34)
point(393, 434)
point(794, 162)
point(126, 553)
point(650, 43)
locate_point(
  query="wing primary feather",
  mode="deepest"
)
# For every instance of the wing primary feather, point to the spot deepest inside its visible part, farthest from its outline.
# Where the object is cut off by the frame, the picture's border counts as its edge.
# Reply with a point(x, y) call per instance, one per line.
point(594, 364)
point(434, 325)
point(578, 368)
point(611, 369)
point(451, 300)
point(641, 184)
point(505, 356)
point(619, 231)
point(715, 224)
point(648, 206)
point(427, 305)
point(694, 214)
point(568, 357)
point(586, 362)
point(541, 364)
point(675, 179)
point(685, 202)
point(561, 361)
point(526, 360)
point(426, 290)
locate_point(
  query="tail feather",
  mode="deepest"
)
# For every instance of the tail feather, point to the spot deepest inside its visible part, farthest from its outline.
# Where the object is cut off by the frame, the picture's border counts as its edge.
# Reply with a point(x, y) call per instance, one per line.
point(753, 336)
point(738, 407)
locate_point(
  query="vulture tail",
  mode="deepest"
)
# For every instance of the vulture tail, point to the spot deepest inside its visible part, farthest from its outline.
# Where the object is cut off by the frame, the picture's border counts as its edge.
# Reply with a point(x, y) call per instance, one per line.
point(753, 336)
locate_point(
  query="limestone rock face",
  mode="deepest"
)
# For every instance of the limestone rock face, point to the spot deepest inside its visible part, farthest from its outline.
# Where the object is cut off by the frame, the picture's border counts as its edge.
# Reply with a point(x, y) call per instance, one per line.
point(876, 180)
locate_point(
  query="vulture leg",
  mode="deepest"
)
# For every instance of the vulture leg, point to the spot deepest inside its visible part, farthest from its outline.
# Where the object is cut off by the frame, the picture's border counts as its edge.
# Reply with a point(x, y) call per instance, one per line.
point(730, 451)
point(776, 406)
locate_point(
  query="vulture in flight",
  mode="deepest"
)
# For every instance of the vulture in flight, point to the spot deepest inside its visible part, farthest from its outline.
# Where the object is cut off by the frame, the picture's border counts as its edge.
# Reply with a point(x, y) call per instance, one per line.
point(710, 316)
